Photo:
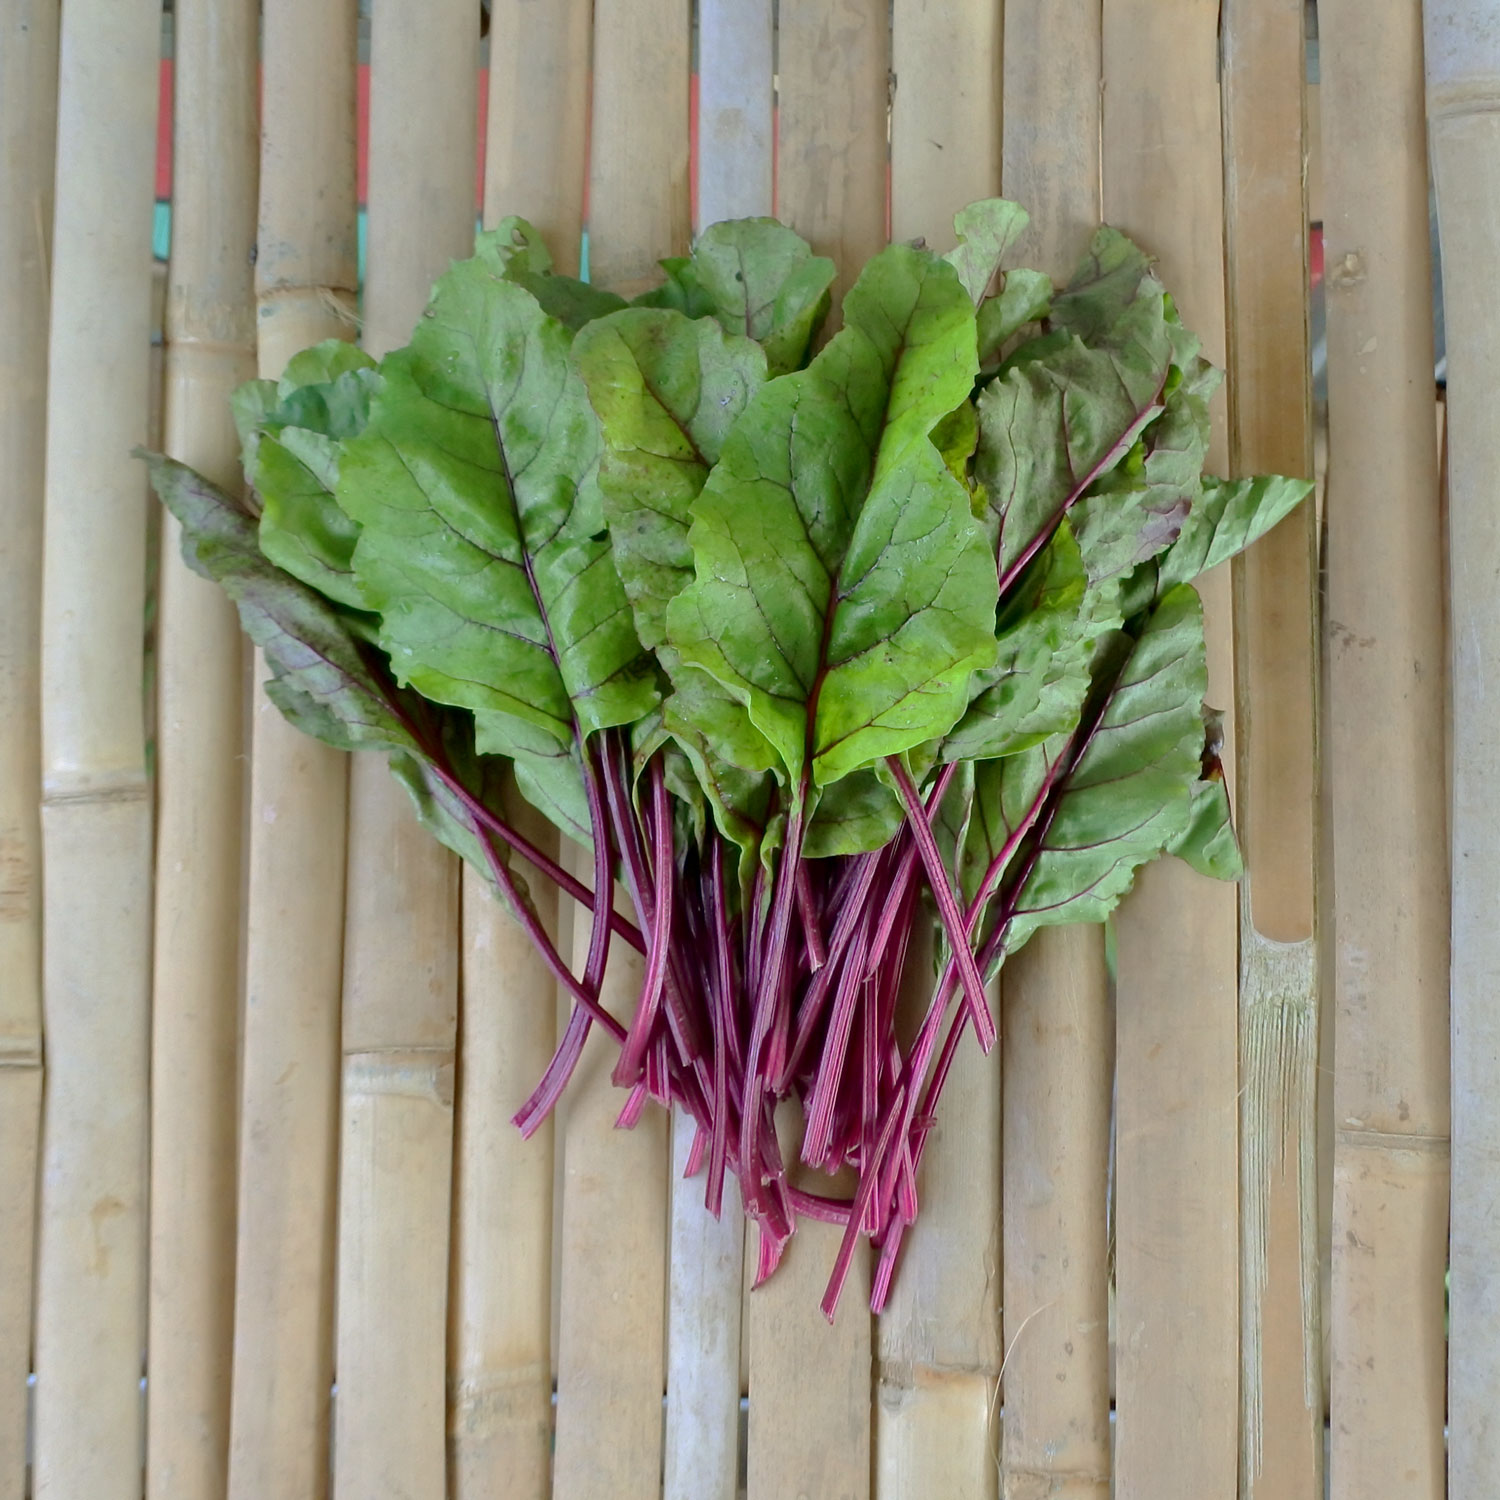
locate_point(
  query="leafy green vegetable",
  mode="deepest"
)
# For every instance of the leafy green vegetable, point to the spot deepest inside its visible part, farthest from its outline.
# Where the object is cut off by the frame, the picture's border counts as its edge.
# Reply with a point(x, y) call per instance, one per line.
point(808, 650)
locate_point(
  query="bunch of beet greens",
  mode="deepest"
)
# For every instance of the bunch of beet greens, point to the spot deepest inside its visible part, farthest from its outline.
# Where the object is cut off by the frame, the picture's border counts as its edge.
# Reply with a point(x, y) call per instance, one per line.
point(840, 665)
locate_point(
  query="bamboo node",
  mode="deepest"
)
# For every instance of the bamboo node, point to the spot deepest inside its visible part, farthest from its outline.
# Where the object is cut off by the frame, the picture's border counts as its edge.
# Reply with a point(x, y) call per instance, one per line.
point(415, 1073)
point(20, 1052)
point(77, 787)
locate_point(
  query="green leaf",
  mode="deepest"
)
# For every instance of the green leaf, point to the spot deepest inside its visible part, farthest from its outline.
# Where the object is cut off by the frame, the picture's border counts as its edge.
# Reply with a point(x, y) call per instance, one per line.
point(1130, 794)
point(854, 816)
point(1208, 843)
point(1041, 673)
point(323, 677)
point(1110, 279)
point(760, 280)
point(483, 544)
point(291, 434)
point(843, 593)
point(1064, 413)
point(986, 232)
point(1231, 514)
point(1025, 297)
point(513, 249)
point(666, 390)
point(1139, 509)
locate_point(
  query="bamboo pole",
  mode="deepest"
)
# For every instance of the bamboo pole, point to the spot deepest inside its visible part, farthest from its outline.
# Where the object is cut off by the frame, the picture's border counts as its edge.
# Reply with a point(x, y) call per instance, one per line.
point(610, 1363)
point(537, 139)
point(736, 45)
point(96, 812)
point(611, 1333)
point(939, 1337)
point(833, 64)
point(501, 1345)
point(639, 209)
point(304, 271)
point(200, 668)
point(833, 69)
point(1463, 94)
point(401, 910)
point(1281, 1447)
point(1386, 685)
point(28, 128)
point(502, 1286)
point(736, 64)
point(1177, 1175)
point(810, 1385)
point(1057, 1035)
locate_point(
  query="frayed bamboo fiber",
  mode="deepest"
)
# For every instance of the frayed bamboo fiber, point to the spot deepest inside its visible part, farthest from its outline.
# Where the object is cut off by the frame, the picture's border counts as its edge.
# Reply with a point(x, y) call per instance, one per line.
point(639, 208)
point(305, 271)
point(28, 125)
point(1463, 109)
point(401, 909)
point(1387, 744)
point(200, 682)
point(834, 80)
point(937, 1397)
point(1177, 1142)
point(537, 135)
point(736, 121)
point(96, 812)
point(736, 46)
point(1057, 1036)
point(501, 1346)
point(1281, 1446)
point(611, 1364)
point(501, 1311)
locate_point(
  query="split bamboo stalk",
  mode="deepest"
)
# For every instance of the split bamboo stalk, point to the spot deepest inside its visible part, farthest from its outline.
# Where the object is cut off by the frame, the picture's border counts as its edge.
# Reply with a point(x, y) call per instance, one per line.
point(28, 130)
point(305, 272)
point(1177, 1149)
point(200, 683)
point(1387, 745)
point(1057, 1035)
point(400, 1014)
point(939, 1336)
point(501, 1346)
point(502, 1286)
point(537, 136)
point(639, 208)
point(1463, 97)
point(833, 75)
point(1281, 1414)
point(96, 811)
point(736, 47)
point(704, 1292)
point(809, 1436)
point(611, 1364)
point(810, 1414)
point(736, 67)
